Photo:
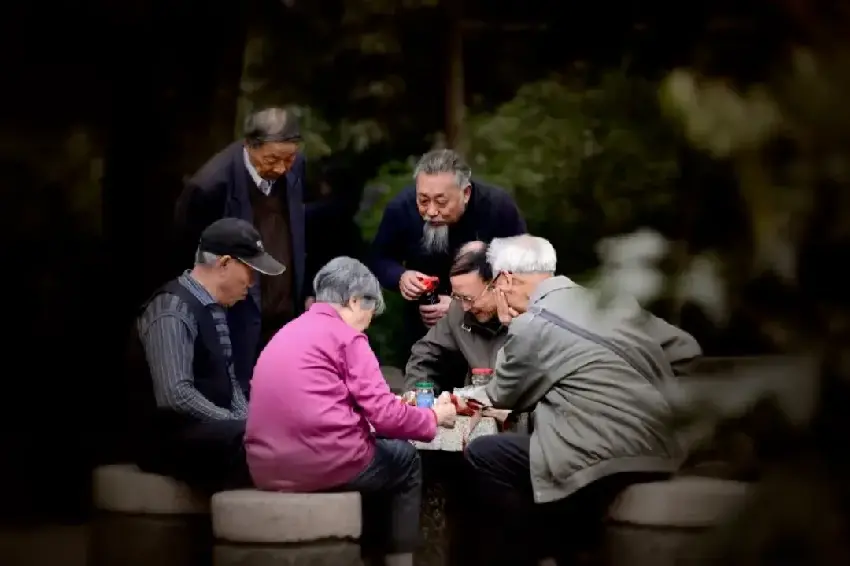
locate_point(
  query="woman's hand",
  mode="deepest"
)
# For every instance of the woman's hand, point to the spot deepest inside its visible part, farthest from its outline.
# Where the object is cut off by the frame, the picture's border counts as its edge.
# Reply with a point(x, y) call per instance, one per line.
point(446, 413)
point(503, 310)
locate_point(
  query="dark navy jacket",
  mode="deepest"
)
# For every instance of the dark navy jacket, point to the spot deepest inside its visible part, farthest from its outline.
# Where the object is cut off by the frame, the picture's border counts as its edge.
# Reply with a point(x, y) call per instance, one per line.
point(491, 213)
point(220, 189)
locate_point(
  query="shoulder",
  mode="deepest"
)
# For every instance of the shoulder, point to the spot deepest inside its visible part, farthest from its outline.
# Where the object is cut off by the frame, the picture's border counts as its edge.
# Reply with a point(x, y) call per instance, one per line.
point(404, 202)
point(165, 307)
point(454, 316)
point(492, 197)
point(216, 171)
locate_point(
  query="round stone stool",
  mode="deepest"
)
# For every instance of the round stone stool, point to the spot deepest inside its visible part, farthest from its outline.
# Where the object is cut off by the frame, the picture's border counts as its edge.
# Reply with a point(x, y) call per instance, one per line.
point(286, 529)
point(666, 523)
point(124, 488)
point(685, 502)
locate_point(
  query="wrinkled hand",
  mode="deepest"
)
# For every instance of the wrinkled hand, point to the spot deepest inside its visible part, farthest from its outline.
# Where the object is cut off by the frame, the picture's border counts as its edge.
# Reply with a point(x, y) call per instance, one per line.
point(500, 415)
point(411, 285)
point(444, 398)
point(505, 313)
point(446, 414)
point(432, 313)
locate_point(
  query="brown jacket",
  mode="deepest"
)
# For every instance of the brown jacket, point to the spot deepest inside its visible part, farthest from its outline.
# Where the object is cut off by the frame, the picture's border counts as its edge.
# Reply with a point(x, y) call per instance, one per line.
point(451, 348)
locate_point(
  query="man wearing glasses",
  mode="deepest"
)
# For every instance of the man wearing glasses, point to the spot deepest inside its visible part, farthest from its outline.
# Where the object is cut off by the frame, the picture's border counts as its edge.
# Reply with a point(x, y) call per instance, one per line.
point(469, 335)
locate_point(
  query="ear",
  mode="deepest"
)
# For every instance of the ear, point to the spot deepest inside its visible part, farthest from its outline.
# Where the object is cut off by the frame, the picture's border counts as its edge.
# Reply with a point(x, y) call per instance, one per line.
point(224, 260)
point(467, 192)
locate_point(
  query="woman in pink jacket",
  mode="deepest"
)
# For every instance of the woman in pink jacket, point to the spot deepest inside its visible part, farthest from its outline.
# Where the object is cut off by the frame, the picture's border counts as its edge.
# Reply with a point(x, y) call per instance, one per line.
point(316, 389)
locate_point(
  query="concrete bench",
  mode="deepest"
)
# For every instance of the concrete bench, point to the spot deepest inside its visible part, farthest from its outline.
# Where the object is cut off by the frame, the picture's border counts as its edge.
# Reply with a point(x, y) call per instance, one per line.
point(664, 523)
point(259, 528)
point(124, 488)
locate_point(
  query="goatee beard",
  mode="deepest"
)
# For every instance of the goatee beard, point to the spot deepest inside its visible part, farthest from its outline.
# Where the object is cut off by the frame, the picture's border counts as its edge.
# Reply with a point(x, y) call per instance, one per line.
point(435, 239)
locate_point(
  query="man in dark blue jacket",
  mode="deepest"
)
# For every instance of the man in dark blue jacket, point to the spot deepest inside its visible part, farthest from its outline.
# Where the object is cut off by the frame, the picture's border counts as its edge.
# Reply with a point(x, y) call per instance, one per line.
point(259, 179)
point(427, 223)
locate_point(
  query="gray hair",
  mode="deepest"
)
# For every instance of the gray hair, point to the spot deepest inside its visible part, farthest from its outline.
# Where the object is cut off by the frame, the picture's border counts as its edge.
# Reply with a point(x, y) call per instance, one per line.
point(205, 258)
point(344, 278)
point(272, 125)
point(444, 161)
point(522, 254)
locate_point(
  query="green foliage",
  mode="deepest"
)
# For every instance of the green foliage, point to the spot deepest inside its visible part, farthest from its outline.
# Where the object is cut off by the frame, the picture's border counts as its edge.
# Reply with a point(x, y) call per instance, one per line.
point(584, 158)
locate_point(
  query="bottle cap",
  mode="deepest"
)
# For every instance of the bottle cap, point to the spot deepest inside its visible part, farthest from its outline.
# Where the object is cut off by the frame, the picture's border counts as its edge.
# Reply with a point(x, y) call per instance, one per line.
point(424, 384)
point(430, 283)
point(481, 371)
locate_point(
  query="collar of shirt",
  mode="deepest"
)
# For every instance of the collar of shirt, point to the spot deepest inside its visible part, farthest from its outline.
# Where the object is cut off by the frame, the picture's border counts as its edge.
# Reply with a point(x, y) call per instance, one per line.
point(264, 185)
point(199, 291)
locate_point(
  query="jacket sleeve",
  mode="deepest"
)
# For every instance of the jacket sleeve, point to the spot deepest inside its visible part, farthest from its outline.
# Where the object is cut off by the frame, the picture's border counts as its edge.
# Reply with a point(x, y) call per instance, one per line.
point(519, 378)
point(680, 348)
point(431, 356)
point(509, 220)
point(390, 417)
point(388, 248)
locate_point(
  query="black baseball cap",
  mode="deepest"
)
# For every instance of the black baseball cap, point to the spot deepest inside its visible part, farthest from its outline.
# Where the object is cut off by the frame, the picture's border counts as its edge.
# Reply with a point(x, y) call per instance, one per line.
point(237, 238)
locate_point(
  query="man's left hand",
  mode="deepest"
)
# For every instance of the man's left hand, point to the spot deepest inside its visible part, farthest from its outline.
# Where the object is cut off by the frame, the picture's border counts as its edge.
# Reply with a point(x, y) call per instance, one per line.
point(432, 313)
point(308, 302)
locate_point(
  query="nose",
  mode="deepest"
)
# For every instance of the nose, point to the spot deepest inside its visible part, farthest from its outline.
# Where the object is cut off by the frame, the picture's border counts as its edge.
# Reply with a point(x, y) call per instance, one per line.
point(280, 169)
point(432, 211)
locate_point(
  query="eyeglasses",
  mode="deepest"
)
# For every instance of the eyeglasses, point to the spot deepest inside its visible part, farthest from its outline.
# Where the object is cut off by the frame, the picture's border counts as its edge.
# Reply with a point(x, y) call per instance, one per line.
point(471, 300)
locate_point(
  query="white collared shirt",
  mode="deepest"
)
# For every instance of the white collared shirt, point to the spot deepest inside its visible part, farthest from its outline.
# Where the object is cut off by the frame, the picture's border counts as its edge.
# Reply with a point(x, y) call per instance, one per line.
point(264, 185)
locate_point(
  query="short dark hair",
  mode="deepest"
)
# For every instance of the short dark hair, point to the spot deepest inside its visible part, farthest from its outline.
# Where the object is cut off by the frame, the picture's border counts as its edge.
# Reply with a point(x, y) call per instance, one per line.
point(272, 125)
point(472, 259)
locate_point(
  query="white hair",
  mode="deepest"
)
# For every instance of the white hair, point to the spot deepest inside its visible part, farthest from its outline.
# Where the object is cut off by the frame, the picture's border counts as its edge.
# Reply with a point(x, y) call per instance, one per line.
point(435, 239)
point(444, 161)
point(344, 278)
point(205, 258)
point(522, 254)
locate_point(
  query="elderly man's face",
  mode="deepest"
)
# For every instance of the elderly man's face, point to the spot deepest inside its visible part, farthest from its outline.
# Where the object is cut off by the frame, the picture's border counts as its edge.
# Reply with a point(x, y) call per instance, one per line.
point(273, 159)
point(234, 280)
point(440, 201)
point(517, 290)
point(475, 295)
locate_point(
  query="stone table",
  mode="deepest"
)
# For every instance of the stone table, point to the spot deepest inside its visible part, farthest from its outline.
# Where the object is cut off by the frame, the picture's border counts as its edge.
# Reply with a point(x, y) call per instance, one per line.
point(441, 463)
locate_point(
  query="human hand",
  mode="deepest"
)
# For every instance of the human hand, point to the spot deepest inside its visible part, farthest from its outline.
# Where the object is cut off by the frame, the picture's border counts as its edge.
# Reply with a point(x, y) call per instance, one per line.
point(445, 397)
point(412, 284)
point(504, 311)
point(446, 414)
point(432, 313)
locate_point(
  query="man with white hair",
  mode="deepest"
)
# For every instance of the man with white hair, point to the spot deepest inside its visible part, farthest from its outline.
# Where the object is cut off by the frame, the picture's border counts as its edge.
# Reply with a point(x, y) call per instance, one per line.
point(425, 225)
point(594, 379)
point(188, 410)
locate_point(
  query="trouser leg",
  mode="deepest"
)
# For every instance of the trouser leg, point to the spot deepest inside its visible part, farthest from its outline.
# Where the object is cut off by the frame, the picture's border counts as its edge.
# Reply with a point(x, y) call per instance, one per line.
point(391, 492)
point(499, 471)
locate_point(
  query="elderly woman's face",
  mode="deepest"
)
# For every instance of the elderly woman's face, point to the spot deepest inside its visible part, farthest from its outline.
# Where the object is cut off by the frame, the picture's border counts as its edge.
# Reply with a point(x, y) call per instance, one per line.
point(362, 316)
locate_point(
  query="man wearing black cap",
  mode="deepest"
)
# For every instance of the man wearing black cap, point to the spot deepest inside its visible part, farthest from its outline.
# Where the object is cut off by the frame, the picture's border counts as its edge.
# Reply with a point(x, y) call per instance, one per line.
point(189, 410)
point(259, 179)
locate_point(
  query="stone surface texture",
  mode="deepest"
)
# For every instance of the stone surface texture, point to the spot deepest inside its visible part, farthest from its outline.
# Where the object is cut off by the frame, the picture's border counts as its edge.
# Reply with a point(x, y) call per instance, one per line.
point(683, 502)
point(124, 488)
point(336, 553)
point(451, 439)
point(250, 516)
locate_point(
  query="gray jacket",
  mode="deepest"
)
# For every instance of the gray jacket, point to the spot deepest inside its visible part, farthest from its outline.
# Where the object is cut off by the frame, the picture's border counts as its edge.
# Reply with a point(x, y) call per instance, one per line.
point(596, 387)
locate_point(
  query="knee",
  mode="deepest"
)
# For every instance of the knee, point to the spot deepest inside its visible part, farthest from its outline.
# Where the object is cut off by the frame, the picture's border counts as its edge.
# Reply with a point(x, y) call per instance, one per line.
point(407, 459)
point(480, 451)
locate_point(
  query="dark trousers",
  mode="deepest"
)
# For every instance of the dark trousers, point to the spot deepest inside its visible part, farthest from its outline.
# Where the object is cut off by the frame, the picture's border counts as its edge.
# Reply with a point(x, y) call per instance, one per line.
point(206, 455)
point(391, 492)
point(527, 531)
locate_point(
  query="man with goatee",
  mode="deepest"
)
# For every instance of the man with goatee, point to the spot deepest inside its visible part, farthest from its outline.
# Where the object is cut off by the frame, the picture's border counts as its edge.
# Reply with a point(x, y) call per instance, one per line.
point(426, 224)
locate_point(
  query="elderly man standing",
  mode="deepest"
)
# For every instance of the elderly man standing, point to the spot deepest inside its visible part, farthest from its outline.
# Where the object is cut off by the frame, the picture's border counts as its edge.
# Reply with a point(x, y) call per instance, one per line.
point(595, 379)
point(260, 180)
point(425, 225)
point(189, 411)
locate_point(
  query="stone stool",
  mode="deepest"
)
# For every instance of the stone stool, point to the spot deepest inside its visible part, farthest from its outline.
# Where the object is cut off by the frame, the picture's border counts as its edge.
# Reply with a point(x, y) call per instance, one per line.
point(286, 529)
point(663, 523)
point(145, 519)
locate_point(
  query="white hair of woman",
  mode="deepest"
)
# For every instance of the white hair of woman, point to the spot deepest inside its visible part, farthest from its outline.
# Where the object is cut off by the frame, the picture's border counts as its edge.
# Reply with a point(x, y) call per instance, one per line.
point(347, 284)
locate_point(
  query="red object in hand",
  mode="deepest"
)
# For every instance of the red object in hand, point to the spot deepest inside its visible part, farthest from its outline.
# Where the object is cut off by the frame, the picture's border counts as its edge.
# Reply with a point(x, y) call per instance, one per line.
point(430, 296)
point(470, 408)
